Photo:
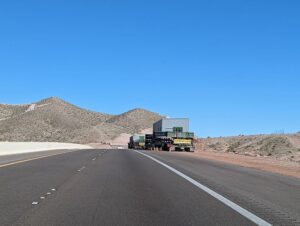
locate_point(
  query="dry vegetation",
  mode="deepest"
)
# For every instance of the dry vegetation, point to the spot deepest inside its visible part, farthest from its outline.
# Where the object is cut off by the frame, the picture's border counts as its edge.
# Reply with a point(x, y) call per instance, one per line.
point(279, 146)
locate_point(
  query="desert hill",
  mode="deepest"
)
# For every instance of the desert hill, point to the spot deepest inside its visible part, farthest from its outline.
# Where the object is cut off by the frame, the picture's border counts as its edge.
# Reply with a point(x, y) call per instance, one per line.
point(134, 119)
point(56, 120)
point(281, 146)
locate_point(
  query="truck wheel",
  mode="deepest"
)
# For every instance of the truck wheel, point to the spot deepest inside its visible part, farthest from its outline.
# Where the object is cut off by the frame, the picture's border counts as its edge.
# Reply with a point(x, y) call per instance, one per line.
point(187, 149)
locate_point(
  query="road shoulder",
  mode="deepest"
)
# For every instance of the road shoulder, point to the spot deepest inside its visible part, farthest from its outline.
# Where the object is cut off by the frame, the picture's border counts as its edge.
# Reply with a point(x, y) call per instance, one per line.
point(272, 165)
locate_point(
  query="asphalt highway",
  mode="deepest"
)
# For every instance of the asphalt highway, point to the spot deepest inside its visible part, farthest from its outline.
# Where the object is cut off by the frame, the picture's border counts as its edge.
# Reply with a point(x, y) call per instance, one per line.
point(124, 187)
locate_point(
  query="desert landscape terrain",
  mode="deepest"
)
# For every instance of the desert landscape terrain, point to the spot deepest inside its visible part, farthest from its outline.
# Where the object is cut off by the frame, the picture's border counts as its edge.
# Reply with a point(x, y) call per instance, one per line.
point(55, 137)
point(53, 122)
point(279, 153)
point(280, 146)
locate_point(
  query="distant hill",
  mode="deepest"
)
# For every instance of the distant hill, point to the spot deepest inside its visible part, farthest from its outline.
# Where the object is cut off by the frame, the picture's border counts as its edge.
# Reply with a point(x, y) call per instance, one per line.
point(132, 120)
point(56, 120)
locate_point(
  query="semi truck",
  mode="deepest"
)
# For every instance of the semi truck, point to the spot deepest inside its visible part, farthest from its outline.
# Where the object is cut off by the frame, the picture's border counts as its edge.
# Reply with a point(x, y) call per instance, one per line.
point(149, 145)
point(169, 134)
point(137, 141)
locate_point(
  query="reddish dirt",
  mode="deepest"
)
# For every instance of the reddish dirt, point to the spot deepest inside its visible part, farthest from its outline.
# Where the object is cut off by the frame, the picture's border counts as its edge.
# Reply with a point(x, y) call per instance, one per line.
point(269, 164)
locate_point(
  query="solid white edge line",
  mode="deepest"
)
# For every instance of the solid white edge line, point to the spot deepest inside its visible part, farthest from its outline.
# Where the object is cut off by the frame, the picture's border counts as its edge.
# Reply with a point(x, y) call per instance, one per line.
point(257, 220)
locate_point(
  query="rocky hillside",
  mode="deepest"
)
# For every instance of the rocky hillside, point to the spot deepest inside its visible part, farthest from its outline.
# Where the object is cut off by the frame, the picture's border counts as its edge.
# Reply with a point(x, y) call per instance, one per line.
point(281, 146)
point(132, 120)
point(53, 119)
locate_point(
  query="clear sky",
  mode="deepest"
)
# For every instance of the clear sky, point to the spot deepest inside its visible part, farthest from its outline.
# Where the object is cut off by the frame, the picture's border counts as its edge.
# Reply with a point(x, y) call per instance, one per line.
point(232, 67)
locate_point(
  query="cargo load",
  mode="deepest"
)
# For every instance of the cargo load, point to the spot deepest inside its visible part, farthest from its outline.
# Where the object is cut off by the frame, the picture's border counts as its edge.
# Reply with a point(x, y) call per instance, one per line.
point(172, 134)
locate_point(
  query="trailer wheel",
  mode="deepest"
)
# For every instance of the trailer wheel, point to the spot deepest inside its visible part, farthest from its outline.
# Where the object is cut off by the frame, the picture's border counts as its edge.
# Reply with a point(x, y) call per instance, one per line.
point(187, 149)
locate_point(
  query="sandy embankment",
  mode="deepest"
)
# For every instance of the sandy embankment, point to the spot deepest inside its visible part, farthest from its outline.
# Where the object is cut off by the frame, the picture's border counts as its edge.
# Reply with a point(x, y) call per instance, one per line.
point(269, 164)
point(9, 148)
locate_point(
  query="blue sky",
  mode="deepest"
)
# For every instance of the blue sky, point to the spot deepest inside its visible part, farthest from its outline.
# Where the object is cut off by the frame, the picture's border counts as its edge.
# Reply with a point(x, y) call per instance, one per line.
point(232, 67)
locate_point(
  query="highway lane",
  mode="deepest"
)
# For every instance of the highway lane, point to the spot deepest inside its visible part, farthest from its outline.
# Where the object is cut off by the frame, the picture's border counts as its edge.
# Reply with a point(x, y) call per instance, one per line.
point(274, 197)
point(23, 183)
point(120, 187)
point(112, 188)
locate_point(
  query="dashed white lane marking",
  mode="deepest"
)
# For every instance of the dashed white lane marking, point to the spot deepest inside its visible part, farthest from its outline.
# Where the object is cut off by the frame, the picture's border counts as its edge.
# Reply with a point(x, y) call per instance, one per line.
point(48, 193)
point(35, 203)
point(94, 159)
point(250, 216)
point(82, 168)
point(53, 189)
point(42, 197)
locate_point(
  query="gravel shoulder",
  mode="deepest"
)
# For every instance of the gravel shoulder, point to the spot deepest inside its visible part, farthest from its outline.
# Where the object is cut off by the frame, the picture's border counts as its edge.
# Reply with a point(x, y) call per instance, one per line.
point(269, 164)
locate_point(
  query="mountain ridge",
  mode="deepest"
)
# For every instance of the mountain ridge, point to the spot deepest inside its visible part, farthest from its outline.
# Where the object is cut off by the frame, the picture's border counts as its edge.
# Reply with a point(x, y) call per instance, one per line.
point(55, 120)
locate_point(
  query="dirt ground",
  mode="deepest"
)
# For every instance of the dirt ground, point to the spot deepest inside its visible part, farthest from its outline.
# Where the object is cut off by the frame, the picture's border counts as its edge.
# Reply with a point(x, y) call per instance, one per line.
point(269, 164)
